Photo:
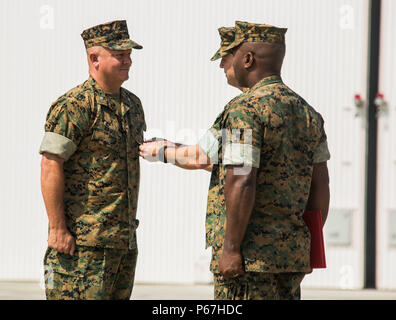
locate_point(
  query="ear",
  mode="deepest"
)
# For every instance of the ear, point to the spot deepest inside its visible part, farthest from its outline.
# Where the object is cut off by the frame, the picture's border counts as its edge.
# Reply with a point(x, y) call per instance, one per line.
point(93, 59)
point(248, 59)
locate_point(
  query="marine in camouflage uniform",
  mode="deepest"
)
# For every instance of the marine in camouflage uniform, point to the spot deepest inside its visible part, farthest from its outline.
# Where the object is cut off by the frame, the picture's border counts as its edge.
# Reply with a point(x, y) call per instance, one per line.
point(97, 134)
point(273, 129)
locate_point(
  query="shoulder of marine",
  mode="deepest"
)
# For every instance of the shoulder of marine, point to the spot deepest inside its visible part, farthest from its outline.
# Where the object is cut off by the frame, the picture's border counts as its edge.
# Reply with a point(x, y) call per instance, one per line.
point(81, 96)
point(269, 93)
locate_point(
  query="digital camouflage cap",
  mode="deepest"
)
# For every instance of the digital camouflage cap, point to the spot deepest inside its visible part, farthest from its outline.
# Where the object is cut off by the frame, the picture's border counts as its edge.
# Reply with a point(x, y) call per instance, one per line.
point(253, 32)
point(112, 35)
point(227, 35)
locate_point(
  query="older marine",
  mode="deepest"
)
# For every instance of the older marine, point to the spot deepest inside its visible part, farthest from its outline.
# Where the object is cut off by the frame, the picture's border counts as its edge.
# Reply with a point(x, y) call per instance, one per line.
point(90, 175)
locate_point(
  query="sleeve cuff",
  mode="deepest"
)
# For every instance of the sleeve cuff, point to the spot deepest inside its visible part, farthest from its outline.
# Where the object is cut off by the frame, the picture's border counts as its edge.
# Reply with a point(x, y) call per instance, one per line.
point(57, 144)
point(241, 154)
point(210, 145)
point(322, 153)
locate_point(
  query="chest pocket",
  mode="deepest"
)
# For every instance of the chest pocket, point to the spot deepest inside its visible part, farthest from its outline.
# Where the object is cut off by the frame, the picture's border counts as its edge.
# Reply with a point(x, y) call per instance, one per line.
point(108, 131)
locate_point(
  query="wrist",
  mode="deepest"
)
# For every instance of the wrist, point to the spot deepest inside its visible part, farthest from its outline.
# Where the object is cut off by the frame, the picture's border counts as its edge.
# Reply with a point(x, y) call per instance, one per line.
point(162, 154)
point(61, 227)
point(232, 248)
point(170, 143)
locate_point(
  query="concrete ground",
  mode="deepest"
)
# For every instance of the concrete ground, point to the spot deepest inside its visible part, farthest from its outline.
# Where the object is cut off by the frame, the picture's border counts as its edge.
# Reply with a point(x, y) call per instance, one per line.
point(18, 290)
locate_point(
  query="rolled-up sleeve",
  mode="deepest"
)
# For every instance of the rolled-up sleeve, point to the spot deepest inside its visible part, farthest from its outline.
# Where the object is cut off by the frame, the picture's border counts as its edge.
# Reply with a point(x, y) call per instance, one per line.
point(57, 144)
point(322, 153)
point(242, 137)
point(65, 126)
point(241, 154)
point(209, 144)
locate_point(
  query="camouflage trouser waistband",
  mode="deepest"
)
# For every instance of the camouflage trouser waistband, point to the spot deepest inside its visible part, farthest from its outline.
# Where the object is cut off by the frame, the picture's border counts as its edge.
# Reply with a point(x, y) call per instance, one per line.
point(90, 274)
point(259, 286)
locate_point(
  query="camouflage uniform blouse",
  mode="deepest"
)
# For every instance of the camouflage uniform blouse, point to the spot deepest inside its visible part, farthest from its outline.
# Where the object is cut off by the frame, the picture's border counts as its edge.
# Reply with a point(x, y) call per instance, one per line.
point(271, 128)
point(99, 143)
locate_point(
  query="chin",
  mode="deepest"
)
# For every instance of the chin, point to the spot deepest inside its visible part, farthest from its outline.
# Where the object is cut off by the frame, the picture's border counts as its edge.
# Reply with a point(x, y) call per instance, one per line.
point(123, 74)
point(231, 83)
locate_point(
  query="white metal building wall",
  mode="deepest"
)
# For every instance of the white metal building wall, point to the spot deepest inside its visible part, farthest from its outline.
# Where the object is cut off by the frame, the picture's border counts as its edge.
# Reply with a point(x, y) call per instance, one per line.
point(386, 193)
point(340, 72)
point(42, 56)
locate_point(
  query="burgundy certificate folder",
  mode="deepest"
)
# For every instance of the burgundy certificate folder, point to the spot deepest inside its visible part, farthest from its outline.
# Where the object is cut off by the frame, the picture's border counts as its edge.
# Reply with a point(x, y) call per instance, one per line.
point(313, 220)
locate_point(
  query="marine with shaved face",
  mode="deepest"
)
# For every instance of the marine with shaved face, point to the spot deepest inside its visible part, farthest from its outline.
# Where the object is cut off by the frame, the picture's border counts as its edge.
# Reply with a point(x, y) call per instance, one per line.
point(268, 153)
point(90, 175)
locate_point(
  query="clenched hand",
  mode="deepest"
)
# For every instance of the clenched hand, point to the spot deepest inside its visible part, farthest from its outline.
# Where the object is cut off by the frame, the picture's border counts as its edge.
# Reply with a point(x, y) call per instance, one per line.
point(62, 241)
point(231, 265)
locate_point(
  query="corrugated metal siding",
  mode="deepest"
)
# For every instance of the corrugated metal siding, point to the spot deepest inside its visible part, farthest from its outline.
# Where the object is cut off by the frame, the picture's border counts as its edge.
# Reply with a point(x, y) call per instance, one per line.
point(182, 92)
point(386, 252)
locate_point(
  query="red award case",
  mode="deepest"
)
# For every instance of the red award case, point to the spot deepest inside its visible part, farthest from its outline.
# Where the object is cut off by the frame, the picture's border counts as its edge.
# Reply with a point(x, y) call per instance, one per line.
point(313, 219)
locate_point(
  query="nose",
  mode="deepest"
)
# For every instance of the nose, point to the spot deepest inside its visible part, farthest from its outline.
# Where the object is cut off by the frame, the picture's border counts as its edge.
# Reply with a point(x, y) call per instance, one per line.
point(127, 61)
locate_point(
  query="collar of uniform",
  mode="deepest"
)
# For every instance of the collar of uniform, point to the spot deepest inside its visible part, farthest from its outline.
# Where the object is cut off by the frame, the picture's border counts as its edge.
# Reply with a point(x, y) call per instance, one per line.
point(266, 81)
point(125, 101)
point(100, 97)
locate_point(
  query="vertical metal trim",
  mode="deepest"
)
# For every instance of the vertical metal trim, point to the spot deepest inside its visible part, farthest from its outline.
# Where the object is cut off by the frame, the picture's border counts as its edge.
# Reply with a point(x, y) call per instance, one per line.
point(371, 150)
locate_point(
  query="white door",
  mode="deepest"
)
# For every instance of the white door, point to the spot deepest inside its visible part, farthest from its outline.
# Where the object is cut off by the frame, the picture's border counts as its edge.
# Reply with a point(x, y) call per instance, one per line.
point(386, 193)
point(339, 74)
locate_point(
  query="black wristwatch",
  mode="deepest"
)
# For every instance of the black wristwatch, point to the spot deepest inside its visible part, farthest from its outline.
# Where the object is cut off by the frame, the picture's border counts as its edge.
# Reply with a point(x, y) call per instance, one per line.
point(161, 154)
